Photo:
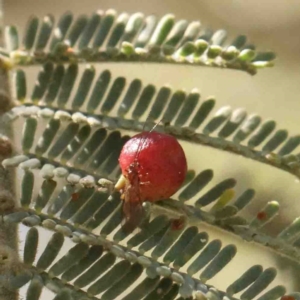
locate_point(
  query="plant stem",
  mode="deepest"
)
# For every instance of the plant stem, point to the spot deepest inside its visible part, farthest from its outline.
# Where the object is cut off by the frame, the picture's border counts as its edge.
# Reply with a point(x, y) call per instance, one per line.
point(8, 233)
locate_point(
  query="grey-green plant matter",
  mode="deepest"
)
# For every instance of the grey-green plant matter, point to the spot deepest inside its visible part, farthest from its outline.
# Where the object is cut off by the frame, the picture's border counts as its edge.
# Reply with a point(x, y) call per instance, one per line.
point(58, 177)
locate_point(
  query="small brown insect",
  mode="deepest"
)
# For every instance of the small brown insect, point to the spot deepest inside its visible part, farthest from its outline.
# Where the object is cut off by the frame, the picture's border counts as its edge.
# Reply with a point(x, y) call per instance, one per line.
point(132, 207)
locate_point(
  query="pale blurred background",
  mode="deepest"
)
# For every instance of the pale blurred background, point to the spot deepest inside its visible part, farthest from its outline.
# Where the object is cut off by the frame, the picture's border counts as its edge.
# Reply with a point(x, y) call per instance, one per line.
point(272, 93)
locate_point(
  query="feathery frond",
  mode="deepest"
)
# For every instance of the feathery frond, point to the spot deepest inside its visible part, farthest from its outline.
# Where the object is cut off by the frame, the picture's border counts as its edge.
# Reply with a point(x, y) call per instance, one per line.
point(120, 105)
point(107, 36)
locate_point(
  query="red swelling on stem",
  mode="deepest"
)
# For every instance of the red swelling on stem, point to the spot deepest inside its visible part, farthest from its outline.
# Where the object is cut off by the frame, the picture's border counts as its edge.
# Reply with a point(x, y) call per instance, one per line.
point(154, 165)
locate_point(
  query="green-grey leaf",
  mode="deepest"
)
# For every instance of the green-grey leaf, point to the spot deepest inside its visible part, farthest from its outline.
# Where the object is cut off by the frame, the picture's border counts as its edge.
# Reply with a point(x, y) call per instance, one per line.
point(51, 251)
